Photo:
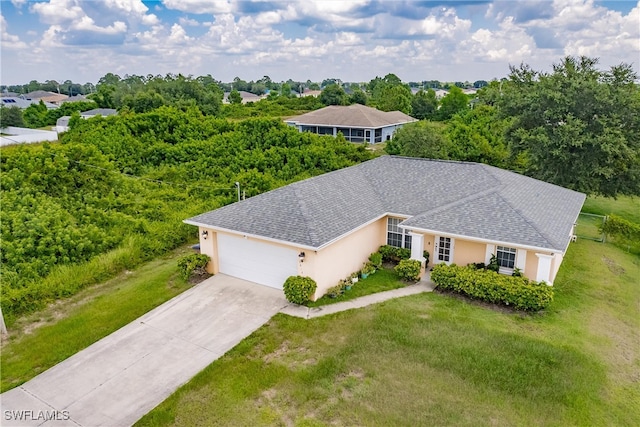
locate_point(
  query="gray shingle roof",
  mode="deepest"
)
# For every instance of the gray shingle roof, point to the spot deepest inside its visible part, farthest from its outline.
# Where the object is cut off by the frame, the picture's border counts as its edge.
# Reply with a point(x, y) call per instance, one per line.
point(469, 199)
point(355, 115)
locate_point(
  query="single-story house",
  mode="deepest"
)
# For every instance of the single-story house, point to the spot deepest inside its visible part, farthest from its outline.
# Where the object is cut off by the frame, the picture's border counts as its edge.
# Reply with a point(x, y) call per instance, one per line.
point(246, 97)
point(327, 226)
point(62, 124)
point(46, 96)
point(358, 123)
point(24, 103)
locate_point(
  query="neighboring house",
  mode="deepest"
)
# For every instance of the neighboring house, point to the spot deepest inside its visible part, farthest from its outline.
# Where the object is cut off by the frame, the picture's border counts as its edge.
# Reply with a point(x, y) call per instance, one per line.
point(358, 123)
point(246, 97)
point(441, 93)
point(309, 92)
point(62, 124)
point(23, 103)
point(12, 135)
point(45, 96)
point(326, 227)
point(74, 98)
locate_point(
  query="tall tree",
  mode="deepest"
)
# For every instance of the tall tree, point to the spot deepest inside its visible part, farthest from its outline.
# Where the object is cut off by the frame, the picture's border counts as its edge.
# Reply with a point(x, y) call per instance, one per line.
point(424, 104)
point(454, 102)
point(11, 116)
point(420, 139)
point(394, 98)
point(235, 97)
point(333, 94)
point(578, 126)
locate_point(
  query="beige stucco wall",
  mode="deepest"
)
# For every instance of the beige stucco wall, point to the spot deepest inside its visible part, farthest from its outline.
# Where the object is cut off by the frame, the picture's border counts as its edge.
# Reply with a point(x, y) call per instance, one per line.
point(209, 246)
point(531, 266)
point(345, 256)
point(465, 252)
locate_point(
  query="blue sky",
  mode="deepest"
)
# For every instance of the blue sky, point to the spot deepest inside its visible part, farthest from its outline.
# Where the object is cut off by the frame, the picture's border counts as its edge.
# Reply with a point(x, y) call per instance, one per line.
point(354, 40)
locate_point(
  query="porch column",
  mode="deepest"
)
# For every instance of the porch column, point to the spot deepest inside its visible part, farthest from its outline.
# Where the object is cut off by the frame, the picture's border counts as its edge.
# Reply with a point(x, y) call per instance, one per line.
point(544, 268)
point(491, 249)
point(521, 259)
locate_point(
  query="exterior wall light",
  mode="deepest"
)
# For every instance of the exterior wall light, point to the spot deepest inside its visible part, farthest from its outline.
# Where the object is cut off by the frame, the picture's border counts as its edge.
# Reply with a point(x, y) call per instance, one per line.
point(301, 255)
point(205, 234)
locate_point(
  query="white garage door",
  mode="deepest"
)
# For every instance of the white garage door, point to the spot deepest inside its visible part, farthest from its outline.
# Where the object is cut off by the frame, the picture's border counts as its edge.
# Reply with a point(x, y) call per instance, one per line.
point(256, 261)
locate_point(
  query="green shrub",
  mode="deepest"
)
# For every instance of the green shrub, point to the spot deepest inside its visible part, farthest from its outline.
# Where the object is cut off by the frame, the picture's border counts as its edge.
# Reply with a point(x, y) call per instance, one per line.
point(486, 285)
point(408, 269)
point(376, 259)
point(394, 254)
point(189, 264)
point(425, 254)
point(299, 289)
point(620, 227)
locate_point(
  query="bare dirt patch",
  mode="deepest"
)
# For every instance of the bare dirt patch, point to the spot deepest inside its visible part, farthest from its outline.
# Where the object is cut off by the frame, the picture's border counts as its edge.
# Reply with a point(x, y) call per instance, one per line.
point(613, 266)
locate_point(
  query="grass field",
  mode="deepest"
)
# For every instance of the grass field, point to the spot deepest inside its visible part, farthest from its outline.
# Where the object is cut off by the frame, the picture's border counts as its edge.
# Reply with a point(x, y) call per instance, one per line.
point(43, 339)
point(433, 359)
point(382, 280)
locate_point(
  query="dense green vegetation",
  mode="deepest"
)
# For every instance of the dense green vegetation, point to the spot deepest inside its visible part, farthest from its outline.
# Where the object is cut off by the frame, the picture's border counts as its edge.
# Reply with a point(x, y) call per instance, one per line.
point(576, 127)
point(126, 182)
point(435, 359)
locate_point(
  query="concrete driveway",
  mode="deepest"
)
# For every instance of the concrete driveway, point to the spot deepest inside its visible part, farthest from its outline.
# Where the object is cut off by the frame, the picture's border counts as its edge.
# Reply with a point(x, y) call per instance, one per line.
point(120, 378)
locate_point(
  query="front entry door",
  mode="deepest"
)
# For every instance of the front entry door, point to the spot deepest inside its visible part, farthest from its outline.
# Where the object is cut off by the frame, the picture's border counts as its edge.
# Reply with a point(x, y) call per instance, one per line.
point(444, 250)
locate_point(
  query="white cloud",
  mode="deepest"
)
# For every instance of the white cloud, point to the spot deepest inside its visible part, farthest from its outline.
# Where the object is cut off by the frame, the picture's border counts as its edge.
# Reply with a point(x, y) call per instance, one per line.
point(9, 41)
point(58, 11)
point(150, 19)
point(127, 6)
point(199, 6)
point(87, 24)
point(187, 22)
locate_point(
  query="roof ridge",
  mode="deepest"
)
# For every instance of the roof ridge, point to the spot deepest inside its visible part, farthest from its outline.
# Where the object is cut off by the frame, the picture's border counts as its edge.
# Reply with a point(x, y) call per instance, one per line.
point(528, 221)
point(491, 170)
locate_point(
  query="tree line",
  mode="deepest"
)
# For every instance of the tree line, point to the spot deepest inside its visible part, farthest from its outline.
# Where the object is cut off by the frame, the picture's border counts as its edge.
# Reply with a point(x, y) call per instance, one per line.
point(576, 126)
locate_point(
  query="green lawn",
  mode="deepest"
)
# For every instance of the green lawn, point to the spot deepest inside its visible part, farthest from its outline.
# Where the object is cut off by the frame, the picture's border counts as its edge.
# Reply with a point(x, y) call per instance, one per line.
point(43, 339)
point(433, 359)
point(625, 206)
point(382, 280)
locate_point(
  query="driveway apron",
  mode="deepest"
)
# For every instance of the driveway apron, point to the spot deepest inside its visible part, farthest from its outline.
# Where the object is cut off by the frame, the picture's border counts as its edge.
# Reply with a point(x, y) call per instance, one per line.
point(117, 380)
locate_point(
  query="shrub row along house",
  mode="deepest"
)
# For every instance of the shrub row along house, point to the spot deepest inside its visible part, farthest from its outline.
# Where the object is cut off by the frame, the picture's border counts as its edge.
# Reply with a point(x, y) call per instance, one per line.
point(358, 123)
point(325, 227)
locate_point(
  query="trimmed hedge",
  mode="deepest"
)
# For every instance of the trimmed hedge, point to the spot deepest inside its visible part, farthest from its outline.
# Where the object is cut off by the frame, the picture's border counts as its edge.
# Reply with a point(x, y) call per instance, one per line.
point(392, 253)
point(190, 263)
point(408, 269)
point(299, 289)
point(517, 292)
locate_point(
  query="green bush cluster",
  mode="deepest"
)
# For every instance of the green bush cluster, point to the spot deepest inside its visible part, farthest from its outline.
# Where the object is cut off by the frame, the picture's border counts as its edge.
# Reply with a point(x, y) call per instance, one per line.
point(193, 263)
point(376, 259)
point(135, 178)
point(393, 254)
point(299, 289)
point(620, 227)
point(408, 269)
point(486, 285)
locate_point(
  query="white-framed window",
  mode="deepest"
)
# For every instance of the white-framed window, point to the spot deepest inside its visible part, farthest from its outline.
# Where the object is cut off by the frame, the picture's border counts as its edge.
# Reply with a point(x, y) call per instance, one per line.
point(444, 249)
point(506, 257)
point(396, 236)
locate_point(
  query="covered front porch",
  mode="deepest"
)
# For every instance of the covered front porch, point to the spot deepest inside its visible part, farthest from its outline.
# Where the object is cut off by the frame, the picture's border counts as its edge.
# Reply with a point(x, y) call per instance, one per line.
point(533, 263)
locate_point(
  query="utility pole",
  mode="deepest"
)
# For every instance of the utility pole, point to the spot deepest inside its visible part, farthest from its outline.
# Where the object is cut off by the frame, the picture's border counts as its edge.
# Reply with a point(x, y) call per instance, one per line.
point(238, 187)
